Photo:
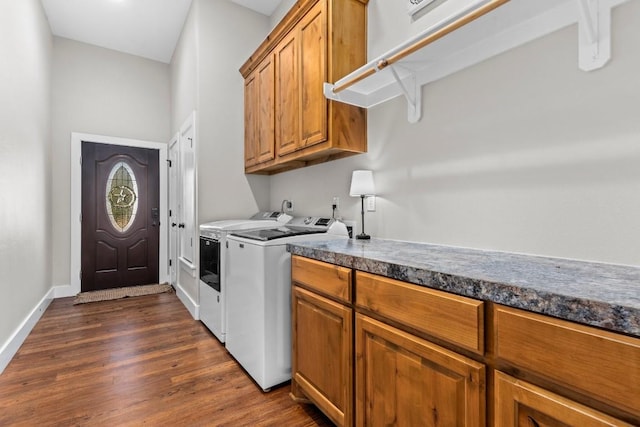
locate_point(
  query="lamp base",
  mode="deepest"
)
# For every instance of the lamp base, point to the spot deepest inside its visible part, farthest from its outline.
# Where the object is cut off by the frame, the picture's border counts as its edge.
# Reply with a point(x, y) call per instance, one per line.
point(363, 236)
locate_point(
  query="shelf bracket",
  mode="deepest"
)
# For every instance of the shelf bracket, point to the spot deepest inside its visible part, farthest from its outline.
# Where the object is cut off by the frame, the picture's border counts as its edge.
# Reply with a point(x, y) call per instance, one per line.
point(412, 92)
point(594, 34)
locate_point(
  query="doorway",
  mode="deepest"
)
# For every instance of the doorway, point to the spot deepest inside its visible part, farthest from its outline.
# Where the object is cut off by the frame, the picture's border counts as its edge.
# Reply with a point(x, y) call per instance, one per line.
point(74, 286)
point(120, 216)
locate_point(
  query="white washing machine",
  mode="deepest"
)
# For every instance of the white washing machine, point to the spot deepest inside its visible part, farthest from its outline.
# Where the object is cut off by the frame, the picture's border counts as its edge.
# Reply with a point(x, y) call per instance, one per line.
point(214, 262)
point(259, 295)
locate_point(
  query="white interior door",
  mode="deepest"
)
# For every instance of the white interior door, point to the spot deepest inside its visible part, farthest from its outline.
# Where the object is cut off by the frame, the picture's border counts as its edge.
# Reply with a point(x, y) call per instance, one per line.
point(174, 208)
point(187, 209)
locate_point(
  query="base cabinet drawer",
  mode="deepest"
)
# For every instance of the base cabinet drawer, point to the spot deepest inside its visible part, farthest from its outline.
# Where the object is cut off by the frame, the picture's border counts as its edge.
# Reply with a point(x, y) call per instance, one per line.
point(403, 380)
point(326, 279)
point(596, 363)
point(520, 404)
point(456, 319)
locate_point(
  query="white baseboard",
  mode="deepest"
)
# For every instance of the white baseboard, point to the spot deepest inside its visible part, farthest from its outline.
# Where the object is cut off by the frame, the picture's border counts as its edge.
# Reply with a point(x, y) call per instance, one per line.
point(10, 348)
point(191, 305)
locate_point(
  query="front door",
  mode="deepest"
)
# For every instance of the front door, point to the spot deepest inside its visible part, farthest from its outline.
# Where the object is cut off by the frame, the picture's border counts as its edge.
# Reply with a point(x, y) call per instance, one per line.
point(120, 216)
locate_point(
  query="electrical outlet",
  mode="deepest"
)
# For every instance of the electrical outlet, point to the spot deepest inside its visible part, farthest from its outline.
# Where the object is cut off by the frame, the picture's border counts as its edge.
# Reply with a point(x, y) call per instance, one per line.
point(336, 202)
point(289, 206)
point(371, 204)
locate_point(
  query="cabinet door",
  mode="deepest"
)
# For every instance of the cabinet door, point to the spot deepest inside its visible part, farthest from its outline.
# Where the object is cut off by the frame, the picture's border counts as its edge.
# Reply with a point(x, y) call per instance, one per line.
point(265, 80)
point(403, 380)
point(313, 74)
point(287, 96)
point(518, 403)
point(250, 120)
point(322, 348)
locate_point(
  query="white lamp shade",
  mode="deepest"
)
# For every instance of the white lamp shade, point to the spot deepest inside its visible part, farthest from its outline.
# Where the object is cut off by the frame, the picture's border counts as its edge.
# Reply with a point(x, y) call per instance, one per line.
point(362, 184)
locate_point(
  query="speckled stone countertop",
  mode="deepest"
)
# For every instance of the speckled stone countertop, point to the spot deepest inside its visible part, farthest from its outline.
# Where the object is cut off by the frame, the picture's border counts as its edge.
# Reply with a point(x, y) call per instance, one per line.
point(602, 295)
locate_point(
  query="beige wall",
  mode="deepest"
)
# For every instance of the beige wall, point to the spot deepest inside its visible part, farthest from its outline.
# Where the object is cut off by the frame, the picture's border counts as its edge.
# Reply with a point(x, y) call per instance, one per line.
point(224, 190)
point(25, 169)
point(522, 152)
point(205, 78)
point(104, 92)
point(184, 72)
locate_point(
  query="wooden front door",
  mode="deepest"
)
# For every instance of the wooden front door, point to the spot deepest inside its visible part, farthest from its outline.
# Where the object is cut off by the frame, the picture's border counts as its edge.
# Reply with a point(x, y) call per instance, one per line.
point(120, 216)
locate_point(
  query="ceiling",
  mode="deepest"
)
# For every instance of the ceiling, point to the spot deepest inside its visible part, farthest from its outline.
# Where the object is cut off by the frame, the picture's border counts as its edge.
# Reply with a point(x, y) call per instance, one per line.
point(265, 7)
point(147, 28)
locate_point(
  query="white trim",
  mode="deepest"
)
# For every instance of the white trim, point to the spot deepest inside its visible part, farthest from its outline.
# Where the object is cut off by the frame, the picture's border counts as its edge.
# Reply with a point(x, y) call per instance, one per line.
point(76, 202)
point(187, 266)
point(11, 346)
point(188, 302)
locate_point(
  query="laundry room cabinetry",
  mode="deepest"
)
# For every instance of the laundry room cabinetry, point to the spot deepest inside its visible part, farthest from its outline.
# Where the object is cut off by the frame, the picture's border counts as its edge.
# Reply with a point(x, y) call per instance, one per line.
point(259, 97)
point(318, 41)
point(322, 338)
point(522, 404)
point(569, 360)
point(455, 349)
point(403, 378)
point(398, 375)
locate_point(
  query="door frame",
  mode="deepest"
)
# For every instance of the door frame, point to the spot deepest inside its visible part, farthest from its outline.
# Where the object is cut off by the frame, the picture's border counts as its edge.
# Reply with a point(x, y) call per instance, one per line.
point(173, 194)
point(76, 201)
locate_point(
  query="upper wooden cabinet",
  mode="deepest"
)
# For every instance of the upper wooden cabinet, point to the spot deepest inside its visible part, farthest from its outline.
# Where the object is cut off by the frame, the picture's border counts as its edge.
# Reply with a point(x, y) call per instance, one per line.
point(259, 124)
point(318, 41)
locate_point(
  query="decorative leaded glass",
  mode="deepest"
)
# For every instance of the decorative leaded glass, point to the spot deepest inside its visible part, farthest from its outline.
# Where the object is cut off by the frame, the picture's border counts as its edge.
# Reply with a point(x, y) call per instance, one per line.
point(122, 196)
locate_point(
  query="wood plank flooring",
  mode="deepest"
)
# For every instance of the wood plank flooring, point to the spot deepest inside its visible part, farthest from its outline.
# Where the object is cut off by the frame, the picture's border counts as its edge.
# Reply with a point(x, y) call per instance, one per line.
point(135, 361)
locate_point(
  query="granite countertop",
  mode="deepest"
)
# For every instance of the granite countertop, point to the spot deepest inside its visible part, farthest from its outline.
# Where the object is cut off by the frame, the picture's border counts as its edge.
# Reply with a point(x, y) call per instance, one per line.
point(602, 295)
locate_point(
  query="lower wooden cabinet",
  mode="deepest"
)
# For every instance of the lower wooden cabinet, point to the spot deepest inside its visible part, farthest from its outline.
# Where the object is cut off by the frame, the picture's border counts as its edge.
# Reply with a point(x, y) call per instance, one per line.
point(600, 364)
point(402, 380)
point(518, 403)
point(373, 351)
point(322, 354)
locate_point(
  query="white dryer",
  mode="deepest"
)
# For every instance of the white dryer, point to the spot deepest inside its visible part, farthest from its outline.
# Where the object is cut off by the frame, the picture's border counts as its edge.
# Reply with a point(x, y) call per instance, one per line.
point(259, 295)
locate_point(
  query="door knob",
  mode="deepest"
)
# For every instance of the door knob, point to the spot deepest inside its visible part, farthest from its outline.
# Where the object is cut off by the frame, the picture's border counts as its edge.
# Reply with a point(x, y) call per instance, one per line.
point(173, 224)
point(181, 225)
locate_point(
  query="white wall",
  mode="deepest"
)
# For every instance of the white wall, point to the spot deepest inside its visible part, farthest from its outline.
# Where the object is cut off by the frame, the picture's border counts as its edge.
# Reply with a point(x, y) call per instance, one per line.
point(224, 190)
point(25, 169)
point(522, 152)
point(280, 11)
point(205, 78)
point(104, 92)
point(184, 72)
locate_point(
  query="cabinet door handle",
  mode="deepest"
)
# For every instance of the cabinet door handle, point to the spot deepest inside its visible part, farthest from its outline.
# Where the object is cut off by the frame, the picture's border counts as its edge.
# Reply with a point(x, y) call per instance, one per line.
point(533, 421)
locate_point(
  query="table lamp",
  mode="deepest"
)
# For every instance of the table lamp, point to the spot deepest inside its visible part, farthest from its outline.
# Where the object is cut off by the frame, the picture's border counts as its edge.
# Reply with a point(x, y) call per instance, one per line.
point(362, 186)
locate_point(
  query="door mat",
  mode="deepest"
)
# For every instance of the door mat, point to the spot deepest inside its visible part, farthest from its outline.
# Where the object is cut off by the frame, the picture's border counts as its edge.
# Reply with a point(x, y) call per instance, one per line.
point(117, 293)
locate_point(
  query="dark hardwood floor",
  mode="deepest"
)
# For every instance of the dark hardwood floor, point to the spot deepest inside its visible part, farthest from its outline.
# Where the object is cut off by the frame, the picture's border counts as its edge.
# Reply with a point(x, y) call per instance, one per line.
point(135, 361)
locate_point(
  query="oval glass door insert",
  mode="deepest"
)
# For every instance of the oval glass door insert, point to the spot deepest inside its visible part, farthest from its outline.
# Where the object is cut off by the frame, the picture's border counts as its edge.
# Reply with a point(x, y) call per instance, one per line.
point(122, 196)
